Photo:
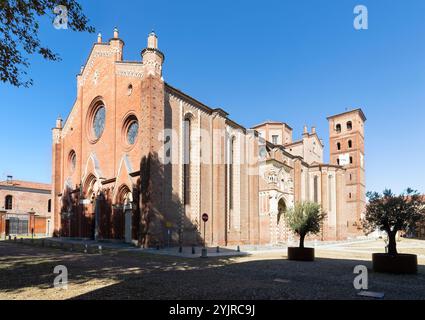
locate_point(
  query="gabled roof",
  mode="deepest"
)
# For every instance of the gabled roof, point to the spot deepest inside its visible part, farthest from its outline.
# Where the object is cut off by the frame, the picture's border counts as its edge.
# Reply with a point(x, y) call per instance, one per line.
point(359, 110)
point(271, 122)
point(26, 184)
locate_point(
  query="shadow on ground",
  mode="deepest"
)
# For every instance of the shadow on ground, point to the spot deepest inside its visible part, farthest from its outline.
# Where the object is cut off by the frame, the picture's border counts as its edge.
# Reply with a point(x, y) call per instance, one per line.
point(146, 276)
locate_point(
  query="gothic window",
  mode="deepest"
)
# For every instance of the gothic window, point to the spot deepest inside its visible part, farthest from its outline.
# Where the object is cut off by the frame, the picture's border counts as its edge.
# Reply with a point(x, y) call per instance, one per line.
point(351, 160)
point(231, 171)
point(330, 192)
point(338, 145)
point(186, 158)
point(349, 125)
point(99, 121)
point(72, 158)
point(338, 128)
point(350, 144)
point(8, 202)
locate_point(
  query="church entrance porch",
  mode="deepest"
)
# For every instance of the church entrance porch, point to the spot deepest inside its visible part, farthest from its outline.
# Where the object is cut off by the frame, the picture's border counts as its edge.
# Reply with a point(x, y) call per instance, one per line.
point(281, 226)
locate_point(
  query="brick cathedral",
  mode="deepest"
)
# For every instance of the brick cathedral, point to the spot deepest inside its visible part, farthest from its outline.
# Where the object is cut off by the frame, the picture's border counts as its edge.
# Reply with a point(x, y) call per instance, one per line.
point(140, 161)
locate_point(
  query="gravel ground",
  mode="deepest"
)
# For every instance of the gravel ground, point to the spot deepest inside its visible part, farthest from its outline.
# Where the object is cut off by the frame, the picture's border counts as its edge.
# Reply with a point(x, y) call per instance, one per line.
point(26, 272)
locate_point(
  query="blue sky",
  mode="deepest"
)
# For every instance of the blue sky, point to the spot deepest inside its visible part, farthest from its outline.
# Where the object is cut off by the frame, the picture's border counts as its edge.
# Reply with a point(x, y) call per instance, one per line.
point(297, 61)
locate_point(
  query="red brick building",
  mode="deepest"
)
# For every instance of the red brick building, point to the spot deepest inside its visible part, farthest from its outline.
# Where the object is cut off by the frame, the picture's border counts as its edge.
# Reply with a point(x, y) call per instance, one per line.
point(138, 160)
point(25, 208)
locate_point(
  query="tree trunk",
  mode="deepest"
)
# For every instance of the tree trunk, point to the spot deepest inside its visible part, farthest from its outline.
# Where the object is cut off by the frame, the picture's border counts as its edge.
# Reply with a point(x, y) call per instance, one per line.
point(302, 240)
point(392, 244)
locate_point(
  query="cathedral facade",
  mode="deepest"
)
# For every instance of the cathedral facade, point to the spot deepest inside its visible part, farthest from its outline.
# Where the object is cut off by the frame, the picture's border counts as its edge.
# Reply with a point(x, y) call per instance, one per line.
point(140, 161)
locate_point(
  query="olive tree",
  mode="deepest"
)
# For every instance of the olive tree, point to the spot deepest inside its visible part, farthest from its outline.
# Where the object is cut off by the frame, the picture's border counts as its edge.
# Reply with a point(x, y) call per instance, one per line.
point(304, 218)
point(392, 213)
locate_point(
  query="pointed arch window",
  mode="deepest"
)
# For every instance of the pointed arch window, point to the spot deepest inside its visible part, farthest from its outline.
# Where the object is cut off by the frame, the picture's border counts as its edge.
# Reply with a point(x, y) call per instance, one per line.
point(316, 187)
point(350, 144)
point(187, 146)
point(231, 171)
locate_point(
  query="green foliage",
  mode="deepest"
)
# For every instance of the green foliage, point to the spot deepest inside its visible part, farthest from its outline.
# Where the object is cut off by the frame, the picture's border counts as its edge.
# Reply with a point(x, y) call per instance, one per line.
point(391, 213)
point(19, 34)
point(304, 218)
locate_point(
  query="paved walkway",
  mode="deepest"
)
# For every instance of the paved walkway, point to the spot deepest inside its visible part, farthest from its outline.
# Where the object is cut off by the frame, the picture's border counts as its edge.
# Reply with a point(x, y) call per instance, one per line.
point(195, 252)
point(27, 272)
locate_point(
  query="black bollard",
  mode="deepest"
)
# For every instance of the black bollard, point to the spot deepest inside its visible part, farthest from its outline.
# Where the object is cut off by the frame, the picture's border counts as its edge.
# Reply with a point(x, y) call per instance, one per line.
point(193, 250)
point(218, 249)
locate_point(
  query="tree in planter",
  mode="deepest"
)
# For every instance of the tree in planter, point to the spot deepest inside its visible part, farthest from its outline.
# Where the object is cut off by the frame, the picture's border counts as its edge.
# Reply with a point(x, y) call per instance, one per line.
point(304, 218)
point(391, 213)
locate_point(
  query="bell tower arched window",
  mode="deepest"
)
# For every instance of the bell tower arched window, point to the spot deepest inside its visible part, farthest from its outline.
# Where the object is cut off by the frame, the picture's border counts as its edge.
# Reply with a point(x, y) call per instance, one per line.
point(349, 125)
point(338, 128)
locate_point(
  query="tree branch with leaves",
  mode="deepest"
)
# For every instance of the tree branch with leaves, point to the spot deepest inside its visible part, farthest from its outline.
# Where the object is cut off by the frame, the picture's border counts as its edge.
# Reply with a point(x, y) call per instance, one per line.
point(19, 28)
point(304, 218)
point(391, 213)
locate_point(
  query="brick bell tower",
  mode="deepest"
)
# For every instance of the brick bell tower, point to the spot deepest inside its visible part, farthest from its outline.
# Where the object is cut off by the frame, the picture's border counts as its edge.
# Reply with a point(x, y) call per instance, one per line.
point(346, 143)
point(152, 119)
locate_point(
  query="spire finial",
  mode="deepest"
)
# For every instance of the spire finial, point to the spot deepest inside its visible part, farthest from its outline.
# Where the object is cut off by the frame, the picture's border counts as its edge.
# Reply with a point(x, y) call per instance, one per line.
point(59, 122)
point(152, 40)
point(116, 34)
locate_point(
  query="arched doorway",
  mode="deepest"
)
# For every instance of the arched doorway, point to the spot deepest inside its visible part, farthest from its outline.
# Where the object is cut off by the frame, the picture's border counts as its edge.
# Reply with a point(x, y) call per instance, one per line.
point(281, 226)
point(88, 224)
point(123, 215)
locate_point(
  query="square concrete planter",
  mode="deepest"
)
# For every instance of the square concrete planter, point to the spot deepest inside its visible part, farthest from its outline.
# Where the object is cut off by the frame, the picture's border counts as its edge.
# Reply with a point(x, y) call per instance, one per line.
point(400, 263)
point(300, 254)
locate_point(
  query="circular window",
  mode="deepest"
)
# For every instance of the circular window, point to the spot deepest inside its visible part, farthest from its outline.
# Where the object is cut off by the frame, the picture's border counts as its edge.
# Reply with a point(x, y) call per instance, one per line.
point(99, 121)
point(130, 131)
point(72, 161)
point(96, 119)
